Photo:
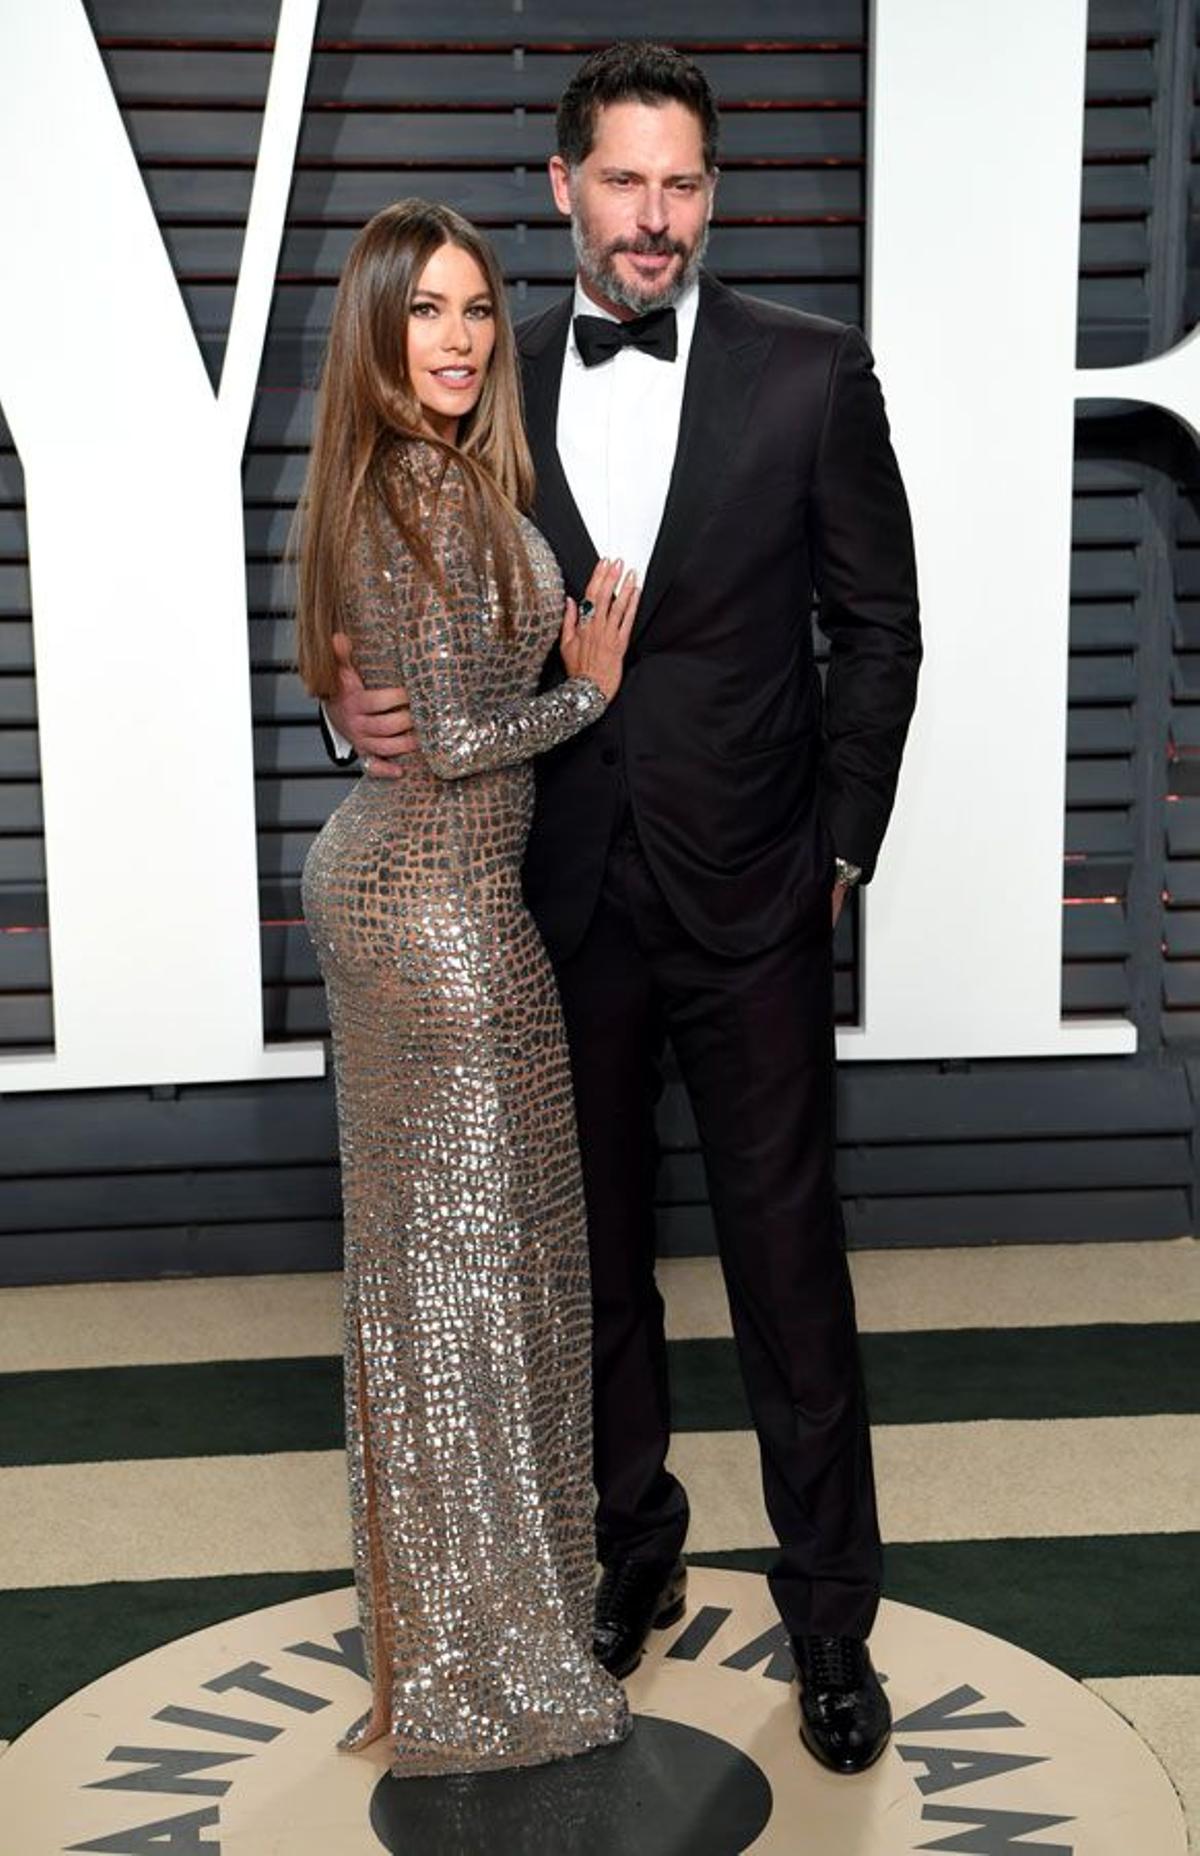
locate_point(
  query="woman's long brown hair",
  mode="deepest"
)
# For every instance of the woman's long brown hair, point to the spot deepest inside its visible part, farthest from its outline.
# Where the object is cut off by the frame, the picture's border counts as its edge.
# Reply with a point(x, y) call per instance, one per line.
point(366, 404)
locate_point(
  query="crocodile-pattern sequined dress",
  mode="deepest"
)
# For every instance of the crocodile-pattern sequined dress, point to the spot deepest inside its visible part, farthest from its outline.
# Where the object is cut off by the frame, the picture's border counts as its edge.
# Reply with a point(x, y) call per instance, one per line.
point(468, 1398)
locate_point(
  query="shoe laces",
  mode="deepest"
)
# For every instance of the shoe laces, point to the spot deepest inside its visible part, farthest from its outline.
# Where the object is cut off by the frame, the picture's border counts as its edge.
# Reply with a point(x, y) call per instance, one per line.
point(832, 1662)
point(621, 1579)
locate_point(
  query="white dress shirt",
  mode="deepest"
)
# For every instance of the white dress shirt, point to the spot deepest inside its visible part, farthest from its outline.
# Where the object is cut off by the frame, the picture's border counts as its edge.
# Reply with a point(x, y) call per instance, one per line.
point(617, 434)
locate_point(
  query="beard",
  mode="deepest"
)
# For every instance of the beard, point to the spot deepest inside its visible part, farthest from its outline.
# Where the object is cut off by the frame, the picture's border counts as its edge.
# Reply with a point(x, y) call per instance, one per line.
point(595, 261)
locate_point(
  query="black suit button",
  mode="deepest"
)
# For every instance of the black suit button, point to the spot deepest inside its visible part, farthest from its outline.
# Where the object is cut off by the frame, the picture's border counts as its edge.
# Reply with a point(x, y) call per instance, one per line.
point(608, 757)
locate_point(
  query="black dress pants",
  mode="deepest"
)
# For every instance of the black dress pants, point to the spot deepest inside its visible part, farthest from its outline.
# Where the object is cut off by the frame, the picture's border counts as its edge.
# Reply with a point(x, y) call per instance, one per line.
point(754, 1041)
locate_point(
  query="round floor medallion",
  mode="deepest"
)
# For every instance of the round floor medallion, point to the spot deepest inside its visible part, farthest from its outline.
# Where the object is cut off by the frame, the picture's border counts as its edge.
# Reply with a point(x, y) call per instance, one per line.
point(222, 1744)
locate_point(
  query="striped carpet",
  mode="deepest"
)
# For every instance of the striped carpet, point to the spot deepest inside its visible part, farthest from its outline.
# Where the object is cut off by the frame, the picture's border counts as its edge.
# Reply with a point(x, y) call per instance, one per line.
point(170, 1455)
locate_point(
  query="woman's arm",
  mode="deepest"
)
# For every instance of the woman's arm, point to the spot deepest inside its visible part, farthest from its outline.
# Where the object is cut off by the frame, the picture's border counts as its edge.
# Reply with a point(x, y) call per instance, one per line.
point(439, 632)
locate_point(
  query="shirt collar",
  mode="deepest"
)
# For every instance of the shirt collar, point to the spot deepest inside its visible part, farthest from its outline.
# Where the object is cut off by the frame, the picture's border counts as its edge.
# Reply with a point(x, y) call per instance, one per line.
point(685, 318)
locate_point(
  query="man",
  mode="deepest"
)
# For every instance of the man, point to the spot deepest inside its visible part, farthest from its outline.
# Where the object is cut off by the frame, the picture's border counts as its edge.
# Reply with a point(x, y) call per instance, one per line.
point(690, 853)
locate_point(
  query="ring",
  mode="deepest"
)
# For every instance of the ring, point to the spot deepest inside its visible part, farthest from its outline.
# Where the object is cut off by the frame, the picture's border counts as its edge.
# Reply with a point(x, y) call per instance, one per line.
point(367, 758)
point(586, 609)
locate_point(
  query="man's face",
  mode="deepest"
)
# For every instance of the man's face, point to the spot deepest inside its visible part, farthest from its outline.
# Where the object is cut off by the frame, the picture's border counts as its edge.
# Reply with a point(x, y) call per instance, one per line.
point(639, 204)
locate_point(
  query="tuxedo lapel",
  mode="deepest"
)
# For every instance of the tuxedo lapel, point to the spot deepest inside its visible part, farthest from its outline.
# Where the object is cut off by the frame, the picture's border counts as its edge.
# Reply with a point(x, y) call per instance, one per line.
point(543, 345)
point(727, 355)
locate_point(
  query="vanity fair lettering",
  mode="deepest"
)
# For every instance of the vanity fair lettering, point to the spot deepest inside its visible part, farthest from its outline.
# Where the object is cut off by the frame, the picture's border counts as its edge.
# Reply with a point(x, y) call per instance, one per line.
point(176, 1771)
point(981, 385)
point(967, 1799)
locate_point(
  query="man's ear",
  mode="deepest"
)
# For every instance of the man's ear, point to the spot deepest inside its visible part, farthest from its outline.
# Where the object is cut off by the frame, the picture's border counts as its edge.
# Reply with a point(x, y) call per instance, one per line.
point(560, 184)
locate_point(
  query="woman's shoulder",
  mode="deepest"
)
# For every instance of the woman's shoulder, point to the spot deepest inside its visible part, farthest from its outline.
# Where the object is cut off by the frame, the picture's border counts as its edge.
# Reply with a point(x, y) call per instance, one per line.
point(427, 478)
point(421, 461)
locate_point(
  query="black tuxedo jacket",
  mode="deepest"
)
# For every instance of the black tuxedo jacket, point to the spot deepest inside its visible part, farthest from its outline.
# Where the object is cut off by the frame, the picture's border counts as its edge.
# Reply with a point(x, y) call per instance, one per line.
point(743, 780)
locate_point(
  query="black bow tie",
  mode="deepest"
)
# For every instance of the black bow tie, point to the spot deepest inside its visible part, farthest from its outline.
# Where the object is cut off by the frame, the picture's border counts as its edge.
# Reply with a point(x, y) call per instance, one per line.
point(598, 338)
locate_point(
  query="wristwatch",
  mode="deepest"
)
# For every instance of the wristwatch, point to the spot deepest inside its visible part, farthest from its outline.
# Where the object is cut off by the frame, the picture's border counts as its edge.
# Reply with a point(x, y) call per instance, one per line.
point(847, 872)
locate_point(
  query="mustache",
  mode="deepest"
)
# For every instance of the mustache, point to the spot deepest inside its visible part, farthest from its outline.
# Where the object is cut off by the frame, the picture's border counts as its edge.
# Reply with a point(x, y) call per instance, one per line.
point(649, 245)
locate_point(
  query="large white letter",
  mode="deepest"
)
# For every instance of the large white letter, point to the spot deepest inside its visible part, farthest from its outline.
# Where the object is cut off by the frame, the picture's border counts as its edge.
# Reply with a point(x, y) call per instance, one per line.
point(132, 471)
point(976, 166)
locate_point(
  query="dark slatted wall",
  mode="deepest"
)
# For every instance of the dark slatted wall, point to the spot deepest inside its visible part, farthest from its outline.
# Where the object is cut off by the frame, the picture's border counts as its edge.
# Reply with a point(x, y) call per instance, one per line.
point(457, 104)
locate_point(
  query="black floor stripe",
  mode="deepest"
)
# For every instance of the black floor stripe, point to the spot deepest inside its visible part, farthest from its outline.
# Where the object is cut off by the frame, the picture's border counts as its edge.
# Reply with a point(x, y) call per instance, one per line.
point(1112, 1605)
point(59, 1638)
point(254, 1407)
point(1094, 1605)
point(957, 1375)
point(218, 1408)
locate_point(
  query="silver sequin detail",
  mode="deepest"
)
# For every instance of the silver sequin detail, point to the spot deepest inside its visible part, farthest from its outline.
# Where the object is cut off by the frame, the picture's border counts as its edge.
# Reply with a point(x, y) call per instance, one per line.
point(468, 1399)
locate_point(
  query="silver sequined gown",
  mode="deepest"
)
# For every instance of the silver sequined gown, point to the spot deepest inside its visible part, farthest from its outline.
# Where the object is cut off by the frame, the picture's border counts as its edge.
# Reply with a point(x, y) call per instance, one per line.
point(467, 1334)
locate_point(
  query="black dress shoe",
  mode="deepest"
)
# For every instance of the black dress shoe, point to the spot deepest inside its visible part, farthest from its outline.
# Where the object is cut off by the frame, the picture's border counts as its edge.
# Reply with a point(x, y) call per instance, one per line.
point(632, 1598)
point(845, 1720)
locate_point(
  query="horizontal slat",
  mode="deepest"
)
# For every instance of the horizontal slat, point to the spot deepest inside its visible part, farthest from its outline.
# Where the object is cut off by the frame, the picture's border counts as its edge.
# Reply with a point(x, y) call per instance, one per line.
point(22, 863)
point(1183, 828)
point(1117, 189)
point(1099, 783)
point(475, 22)
point(506, 138)
point(1102, 679)
point(1182, 882)
point(1104, 834)
point(1181, 933)
point(1097, 986)
point(1094, 879)
point(14, 537)
point(221, 1195)
point(966, 1166)
point(99, 1255)
point(1181, 984)
point(1105, 573)
point(319, 253)
point(1096, 933)
point(1111, 244)
point(1017, 1218)
point(293, 1123)
point(26, 1021)
point(1108, 520)
point(216, 1196)
point(1100, 731)
point(506, 195)
point(1101, 625)
point(447, 80)
point(989, 1102)
point(14, 588)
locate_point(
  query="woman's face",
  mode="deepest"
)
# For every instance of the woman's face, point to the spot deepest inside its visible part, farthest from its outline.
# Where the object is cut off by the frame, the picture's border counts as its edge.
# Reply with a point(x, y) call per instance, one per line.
point(451, 334)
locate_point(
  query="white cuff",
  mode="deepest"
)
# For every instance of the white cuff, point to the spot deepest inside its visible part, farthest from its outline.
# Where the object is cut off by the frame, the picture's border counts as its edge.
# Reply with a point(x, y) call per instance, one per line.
point(342, 748)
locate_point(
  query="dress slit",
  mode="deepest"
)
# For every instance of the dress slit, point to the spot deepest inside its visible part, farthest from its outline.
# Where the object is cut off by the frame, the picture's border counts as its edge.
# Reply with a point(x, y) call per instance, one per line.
point(377, 1721)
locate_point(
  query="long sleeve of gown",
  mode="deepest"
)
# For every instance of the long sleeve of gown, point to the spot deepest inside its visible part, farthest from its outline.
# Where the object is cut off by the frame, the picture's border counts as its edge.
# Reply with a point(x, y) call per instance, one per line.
point(445, 638)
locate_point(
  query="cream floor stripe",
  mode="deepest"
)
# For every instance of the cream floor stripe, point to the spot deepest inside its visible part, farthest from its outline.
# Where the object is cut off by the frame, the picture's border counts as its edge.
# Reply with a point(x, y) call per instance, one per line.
point(267, 1317)
point(78, 1524)
point(193, 1517)
point(987, 1481)
point(169, 1323)
point(1005, 1286)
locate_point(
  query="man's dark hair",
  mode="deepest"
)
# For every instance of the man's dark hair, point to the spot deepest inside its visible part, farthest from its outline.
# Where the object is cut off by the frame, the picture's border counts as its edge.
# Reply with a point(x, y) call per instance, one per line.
point(633, 71)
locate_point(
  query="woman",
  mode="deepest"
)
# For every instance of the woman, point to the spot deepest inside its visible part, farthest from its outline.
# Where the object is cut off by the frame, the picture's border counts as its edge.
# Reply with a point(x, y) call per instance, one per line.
point(467, 1311)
